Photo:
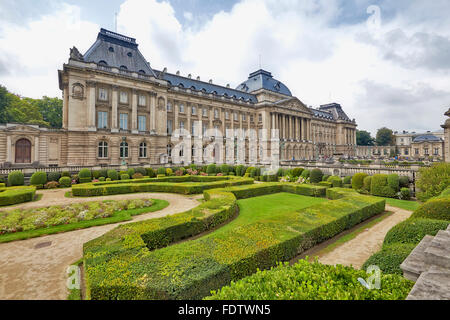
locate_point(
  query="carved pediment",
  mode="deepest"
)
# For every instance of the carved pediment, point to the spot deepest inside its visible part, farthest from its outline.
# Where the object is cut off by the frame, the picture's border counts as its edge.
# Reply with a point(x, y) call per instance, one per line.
point(23, 128)
point(297, 105)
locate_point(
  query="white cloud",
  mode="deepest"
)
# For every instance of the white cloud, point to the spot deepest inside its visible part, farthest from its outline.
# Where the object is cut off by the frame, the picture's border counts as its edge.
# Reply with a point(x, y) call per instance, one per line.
point(305, 44)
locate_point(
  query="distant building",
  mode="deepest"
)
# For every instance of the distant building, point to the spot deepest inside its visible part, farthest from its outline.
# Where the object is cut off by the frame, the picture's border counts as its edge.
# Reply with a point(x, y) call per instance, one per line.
point(446, 127)
point(420, 146)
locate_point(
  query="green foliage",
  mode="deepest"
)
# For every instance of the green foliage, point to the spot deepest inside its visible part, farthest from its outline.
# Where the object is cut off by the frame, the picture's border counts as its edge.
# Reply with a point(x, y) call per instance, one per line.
point(95, 174)
point(51, 185)
point(316, 176)
point(102, 179)
point(325, 177)
point(240, 170)
point(14, 195)
point(84, 173)
point(211, 169)
point(161, 170)
point(151, 173)
point(393, 182)
point(296, 172)
point(312, 281)
point(367, 183)
point(65, 182)
point(16, 178)
point(379, 186)
point(358, 180)
point(363, 138)
point(412, 231)
point(405, 194)
point(403, 181)
point(385, 137)
point(53, 176)
point(438, 208)
point(65, 174)
point(169, 172)
point(39, 178)
point(224, 168)
point(336, 181)
point(103, 173)
point(130, 172)
point(390, 258)
point(137, 176)
point(113, 175)
point(347, 180)
point(432, 181)
point(305, 173)
point(142, 171)
point(124, 176)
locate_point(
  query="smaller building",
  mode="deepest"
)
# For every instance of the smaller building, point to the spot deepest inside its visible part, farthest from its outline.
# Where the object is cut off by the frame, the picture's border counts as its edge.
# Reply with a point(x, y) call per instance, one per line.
point(426, 146)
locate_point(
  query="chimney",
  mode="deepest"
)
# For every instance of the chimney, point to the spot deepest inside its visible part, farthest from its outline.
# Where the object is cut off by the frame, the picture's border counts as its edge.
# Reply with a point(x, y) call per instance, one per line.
point(198, 78)
point(178, 72)
point(228, 85)
point(190, 76)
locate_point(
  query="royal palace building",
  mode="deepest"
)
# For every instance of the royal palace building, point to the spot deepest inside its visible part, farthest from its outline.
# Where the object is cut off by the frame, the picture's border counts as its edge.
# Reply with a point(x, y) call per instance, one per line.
point(117, 110)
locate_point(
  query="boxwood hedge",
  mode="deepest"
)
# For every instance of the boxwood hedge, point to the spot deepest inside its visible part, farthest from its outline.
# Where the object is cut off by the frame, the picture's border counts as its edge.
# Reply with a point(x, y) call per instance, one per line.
point(14, 195)
point(119, 265)
point(438, 208)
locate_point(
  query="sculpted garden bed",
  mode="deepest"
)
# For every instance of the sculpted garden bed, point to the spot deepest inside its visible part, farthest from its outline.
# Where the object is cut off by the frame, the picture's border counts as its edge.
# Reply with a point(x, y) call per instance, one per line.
point(141, 261)
point(15, 195)
point(26, 223)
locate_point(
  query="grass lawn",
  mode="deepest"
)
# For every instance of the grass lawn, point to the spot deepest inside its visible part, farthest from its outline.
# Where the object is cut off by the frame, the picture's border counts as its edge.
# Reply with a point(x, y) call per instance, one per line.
point(120, 216)
point(403, 204)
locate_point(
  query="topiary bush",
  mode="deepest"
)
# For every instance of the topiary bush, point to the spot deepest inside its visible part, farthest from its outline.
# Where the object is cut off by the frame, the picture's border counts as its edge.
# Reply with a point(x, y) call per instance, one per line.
point(39, 178)
point(358, 180)
point(16, 178)
point(53, 176)
point(137, 176)
point(438, 208)
point(367, 183)
point(348, 179)
point(101, 179)
point(124, 176)
point(405, 194)
point(325, 177)
point(403, 181)
point(412, 231)
point(336, 181)
point(316, 176)
point(393, 182)
point(305, 173)
point(103, 173)
point(161, 170)
point(141, 171)
point(151, 173)
point(296, 172)
point(113, 175)
point(65, 182)
point(131, 171)
point(379, 186)
point(224, 168)
point(211, 169)
point(169, 172)
point(432, 181)
point(65, 174)
point(96, 174)
point(84, 176)
point(240, 170)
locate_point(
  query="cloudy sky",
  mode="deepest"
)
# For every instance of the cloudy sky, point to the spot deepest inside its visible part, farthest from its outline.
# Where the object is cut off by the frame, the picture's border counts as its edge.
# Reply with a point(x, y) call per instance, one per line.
point(386, 62)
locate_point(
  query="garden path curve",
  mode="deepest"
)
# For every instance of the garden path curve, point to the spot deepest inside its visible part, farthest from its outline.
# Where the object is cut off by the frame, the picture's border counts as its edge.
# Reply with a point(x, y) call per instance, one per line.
point(30, 273)
point(356, 251)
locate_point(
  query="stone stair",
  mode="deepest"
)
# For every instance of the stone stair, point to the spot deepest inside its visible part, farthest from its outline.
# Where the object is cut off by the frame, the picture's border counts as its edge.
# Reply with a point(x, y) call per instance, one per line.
point(429, 266)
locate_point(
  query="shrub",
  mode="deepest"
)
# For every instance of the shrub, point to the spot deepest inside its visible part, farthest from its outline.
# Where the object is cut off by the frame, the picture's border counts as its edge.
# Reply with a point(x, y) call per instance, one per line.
point(393, 182)
point(358, 180)
point(367, 183)
point(390, 258)
point(109, 179)
point(405, 194)
point(65, 174)
point(432, 181)
point(240, 170)
point(151, 173)
point(124, 176)
point(211, 169)
point(305, 173)
point(52, 185)
point(379, 186)
point(101, 179)
point(161, 170)
point(325, 177)
point(141, 171)
point(38, 178)
point(65, 182)
point(249, 170)
point(103, 173)
point(138, 176)
point(296, 172)
point(224, 168)
point(169, 172)
point(403, 181)
point(130, 172)
point(16, 178)
point(53, 176)
point(84, 173)
point(96, 174)
point(17, 195)
point(316, 176)
point(348, 180)
point(412, 231)
point(438, 208)
point(336, 181)
point(113, 175)
point(312, 281)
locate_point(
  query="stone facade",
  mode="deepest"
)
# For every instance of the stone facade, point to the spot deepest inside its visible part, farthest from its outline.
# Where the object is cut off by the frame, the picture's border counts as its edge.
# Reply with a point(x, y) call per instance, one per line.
point(446, 127)
point(117, 109)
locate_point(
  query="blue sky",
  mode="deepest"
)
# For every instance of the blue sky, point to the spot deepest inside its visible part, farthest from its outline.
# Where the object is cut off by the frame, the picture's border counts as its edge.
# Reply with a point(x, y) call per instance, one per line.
point(390, 69)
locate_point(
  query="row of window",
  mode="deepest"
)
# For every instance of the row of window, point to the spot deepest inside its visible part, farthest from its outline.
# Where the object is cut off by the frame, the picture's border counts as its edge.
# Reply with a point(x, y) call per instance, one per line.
point(123, 97)
point(425, 151)
point(216, 113)
point(102, 121)
point(123, 150)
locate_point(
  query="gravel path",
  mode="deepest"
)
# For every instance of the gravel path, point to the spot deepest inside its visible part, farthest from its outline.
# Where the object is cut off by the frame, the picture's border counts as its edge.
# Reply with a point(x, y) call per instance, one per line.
point(27, 272)
point(356, 251)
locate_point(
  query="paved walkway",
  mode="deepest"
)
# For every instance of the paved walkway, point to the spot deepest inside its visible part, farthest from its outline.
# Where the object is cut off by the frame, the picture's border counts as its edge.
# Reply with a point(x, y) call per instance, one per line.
point(356, 251)
point(27, 272)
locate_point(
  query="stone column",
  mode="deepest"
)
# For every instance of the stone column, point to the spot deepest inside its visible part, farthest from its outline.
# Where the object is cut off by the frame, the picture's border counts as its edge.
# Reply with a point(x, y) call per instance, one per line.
point(153, 113)
point(175, 113)
point(114, 115)
point(188, 116)
point(91, 91)
point(134, 124)
point(8, 149)
point(36, 148)
point(65, 122)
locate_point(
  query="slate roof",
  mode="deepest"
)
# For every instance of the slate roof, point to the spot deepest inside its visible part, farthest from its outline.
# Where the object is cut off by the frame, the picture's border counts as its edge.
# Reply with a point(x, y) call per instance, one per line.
point(322, 114)
point(427, 138)
point(116, 50)
point(336, 110)
point(262, 79)
point(197, 85)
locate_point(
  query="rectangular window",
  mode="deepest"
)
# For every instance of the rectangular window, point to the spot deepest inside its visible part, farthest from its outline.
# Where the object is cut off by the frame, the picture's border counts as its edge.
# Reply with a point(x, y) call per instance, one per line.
point(260, 117)
point(181, 124)
point(205, 112)
point(235, 116)
point(251, 118)
point(194, 111)
point(123, 97)
point(426, 151)
point(436, 151)
point(169, 126)
point(227, 115)
point(181, 108)
point(169, 107)
point(193, 128)
point(243, 117)
point(216, 113)
point(142, 121)
point(102, 121)
point(102, 94)
point(142, 100)
point(123, 119)
point(204, 128)
point(416, 151)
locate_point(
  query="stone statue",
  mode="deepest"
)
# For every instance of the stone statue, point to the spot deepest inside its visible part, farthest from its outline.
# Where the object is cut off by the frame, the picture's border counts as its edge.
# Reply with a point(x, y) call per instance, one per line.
point(75, 54)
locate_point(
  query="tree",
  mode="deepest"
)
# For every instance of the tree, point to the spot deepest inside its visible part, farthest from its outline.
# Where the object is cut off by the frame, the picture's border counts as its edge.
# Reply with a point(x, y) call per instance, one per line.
point(385, 137)
point(363, 138)
point(51, 110)
point(4, 102)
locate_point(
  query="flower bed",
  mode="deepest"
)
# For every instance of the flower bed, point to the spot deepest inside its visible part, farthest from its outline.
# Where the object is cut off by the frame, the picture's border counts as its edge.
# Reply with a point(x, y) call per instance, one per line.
point(119, 264)
point(14, 195)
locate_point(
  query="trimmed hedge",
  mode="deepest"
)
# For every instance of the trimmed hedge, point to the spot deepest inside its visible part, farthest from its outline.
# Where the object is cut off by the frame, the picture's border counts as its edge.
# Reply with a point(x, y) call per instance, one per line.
point(336, 181)
point(316, 176)
point(390, 258)
point(367, 183)
point(66, 182)
point(39, 178)
point(14, 195)
point(16, 178)
point(53, 176)
point(348, 180)
point(119, 265)
point(358, 180)
point(312, 281)
point(412, 231)
point(113, 175)
point(393, 182)
point(438, 208)
point(380, 187)
point(403, 181)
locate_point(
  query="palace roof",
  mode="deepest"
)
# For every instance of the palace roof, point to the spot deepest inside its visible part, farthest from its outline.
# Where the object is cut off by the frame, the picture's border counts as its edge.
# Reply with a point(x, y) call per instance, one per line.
point(336, 110)
point(427, 138)
point(262, 79)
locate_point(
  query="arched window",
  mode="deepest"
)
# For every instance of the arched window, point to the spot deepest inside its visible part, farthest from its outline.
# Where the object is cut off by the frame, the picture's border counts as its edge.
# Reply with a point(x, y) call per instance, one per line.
point(103, 149)
point(169, 150)
point(124, 150)
point(143, 150)
point(123, 68)
point(103, 63)
point(142, 71)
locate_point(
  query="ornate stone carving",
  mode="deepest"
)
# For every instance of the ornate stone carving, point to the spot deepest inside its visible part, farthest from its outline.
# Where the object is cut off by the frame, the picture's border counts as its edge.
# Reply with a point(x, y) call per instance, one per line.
point(77, 91)
point(161, 103)
point(75, 54)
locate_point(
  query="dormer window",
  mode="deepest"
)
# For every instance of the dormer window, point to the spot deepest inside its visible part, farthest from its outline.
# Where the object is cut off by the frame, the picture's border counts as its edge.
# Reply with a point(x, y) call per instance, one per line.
point(142, 71)
point(111, 49)
point(129, 54)
point(123, 68)
point(102, 63)
point(277, 86)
